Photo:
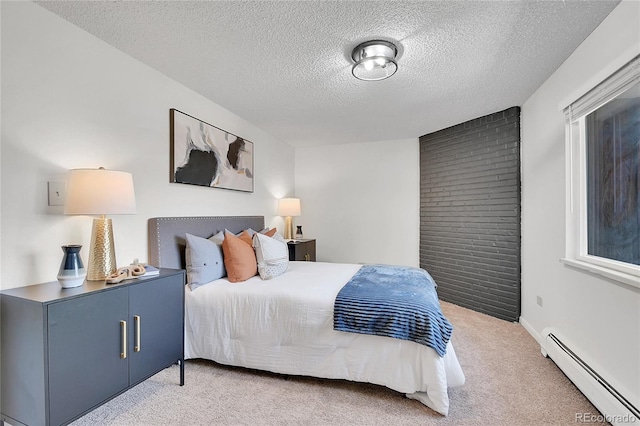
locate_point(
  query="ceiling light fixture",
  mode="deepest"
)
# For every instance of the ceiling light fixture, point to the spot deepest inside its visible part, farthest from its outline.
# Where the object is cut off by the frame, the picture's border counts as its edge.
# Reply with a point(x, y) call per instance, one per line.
point(374, 60)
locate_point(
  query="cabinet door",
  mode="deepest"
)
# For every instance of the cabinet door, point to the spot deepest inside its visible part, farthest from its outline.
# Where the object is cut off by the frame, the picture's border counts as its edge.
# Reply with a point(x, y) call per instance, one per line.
point(156, 308)
point(303, 251)
point(310, 251)
point(84, 346)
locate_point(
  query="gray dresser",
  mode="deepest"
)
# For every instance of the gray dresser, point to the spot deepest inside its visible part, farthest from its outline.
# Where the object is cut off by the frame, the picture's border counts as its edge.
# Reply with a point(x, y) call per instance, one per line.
point(67, 351)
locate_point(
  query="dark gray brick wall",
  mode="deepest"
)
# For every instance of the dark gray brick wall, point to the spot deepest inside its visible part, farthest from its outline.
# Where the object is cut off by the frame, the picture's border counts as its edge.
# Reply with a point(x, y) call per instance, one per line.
point(470, 213)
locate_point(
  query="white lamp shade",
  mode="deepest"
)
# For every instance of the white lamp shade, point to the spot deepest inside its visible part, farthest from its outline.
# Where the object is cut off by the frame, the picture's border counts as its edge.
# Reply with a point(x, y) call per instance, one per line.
point(99, 192)
point(289, 207)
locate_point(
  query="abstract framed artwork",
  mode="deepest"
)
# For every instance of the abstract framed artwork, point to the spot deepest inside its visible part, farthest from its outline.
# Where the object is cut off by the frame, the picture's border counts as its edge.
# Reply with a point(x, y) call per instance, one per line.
point(205, 155)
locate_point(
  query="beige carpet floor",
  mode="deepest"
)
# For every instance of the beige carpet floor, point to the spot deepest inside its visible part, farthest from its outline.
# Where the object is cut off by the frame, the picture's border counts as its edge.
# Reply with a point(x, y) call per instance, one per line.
point(508, 383)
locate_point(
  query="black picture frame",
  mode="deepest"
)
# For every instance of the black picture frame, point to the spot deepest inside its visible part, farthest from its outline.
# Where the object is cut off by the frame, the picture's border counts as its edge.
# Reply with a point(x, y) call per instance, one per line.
point(205, 155)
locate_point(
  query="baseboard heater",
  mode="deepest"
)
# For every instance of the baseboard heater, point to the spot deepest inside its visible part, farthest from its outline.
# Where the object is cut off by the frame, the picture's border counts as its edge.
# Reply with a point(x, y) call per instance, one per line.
point(616, 409)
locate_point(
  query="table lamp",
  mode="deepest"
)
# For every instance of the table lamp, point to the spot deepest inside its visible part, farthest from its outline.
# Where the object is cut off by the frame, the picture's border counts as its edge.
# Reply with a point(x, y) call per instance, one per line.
point(100, 192)
point(288, 207)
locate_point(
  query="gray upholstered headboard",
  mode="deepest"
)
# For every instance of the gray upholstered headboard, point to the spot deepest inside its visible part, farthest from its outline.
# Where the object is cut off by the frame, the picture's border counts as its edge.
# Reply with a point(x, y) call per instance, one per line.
point(167, 234)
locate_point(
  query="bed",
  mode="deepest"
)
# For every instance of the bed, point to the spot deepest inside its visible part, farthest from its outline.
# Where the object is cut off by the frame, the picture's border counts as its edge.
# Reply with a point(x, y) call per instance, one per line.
point(285, 325)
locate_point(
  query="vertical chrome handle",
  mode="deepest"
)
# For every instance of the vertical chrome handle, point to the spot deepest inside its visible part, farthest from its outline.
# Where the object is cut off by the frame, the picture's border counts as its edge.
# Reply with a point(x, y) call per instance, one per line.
point(136, 320)
point(307, 257)
point(123, 334)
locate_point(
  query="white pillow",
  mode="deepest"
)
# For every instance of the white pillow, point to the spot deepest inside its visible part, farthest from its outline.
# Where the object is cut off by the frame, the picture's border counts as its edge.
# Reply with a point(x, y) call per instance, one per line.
point(272, 255)
point(218, 238)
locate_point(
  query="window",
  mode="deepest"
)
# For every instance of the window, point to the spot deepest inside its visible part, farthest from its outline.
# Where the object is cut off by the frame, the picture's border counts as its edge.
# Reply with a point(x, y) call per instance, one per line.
point(613, 205)
point(603, 177)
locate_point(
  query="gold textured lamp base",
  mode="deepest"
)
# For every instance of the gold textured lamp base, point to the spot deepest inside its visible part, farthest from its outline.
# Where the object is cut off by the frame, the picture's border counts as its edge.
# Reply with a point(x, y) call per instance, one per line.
point(102, 254)
point(288, 228)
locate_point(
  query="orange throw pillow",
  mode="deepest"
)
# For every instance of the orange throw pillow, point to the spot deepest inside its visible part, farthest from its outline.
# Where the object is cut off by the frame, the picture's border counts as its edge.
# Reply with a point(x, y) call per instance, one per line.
point(271, 232)
point(239, 257)
point(244, 236)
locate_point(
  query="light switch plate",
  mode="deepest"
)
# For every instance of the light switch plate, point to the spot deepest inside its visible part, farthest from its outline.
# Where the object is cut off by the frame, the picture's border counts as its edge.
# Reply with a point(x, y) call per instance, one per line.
point(57, 193)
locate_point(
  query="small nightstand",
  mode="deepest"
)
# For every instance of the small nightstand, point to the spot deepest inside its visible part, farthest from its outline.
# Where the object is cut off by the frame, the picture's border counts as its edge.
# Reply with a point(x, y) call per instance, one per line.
point(302, 250)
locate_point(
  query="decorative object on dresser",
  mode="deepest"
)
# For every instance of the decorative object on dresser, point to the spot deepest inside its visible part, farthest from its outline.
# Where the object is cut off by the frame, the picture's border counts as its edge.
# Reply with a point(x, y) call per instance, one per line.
point(288, 207)
point(150, 270)
point(65, 352)
point(100, 192)
point(71, 273)
point(302, 250)
point(202, 154)
point(126, 273)
point(299, 234)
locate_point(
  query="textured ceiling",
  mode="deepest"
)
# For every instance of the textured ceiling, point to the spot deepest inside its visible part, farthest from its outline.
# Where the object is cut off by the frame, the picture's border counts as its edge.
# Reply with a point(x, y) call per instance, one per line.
point(285, 66)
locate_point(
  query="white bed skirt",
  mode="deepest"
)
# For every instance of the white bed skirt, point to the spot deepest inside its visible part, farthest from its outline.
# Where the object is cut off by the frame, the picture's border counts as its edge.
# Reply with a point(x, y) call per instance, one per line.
point(285, 325)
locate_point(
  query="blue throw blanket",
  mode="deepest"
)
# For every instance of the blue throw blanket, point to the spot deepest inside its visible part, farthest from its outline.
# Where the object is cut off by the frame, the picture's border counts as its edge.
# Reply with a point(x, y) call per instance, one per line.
point(393, 301)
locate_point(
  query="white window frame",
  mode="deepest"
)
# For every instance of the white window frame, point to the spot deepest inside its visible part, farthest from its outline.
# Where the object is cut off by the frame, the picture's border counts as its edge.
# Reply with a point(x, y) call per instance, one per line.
point(576, 173)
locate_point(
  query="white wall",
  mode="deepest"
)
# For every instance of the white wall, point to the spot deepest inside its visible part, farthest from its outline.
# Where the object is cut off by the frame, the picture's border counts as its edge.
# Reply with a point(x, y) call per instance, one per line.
point(600, 318)
point(361, 201)
point(68, 101)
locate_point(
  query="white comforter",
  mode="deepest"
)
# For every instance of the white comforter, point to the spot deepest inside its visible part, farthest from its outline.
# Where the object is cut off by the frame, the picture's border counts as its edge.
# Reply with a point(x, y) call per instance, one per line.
point(285, 325)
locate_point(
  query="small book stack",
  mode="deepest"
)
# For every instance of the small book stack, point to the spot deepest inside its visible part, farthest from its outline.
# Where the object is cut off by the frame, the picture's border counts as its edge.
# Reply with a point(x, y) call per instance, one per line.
point(149, 271)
